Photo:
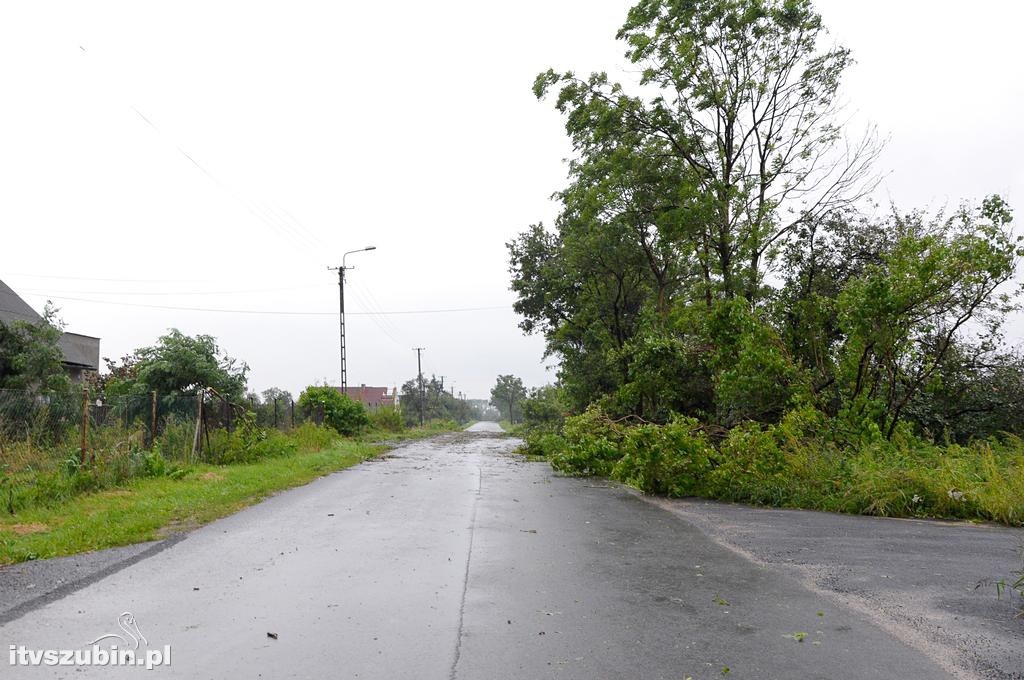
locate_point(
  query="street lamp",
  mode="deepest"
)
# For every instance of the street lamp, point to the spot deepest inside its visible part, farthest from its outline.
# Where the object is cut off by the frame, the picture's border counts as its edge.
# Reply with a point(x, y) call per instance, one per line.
point(341, 309)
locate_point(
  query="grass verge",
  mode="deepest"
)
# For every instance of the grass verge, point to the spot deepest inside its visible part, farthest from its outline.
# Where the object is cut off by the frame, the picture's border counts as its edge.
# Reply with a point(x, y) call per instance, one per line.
point(150, 508)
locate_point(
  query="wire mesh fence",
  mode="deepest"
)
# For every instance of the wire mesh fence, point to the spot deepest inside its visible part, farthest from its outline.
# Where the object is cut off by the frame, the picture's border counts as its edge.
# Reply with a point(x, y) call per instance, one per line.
point(116, 437)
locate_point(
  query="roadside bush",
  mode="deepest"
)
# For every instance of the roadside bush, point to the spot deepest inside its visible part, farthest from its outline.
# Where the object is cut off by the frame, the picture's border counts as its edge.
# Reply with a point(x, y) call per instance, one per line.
point(791, 462)
point(754, 379)
point(667, 459)
point(592, 442)
point(387, 420)
point(544, 409)
point(313, 437)
point(176, 438)
point(544, 444)
point(806, 460)
point(750, 467)
point(346, 416)
point(442, 425)
point(250, 444)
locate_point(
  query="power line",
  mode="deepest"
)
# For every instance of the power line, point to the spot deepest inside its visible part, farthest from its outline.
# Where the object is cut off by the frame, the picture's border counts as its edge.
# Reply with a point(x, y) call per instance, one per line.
point(89, 278)
point(419, 373)
point(381, 322)
point(190, 292)
point(275, 312)
point(263, 212)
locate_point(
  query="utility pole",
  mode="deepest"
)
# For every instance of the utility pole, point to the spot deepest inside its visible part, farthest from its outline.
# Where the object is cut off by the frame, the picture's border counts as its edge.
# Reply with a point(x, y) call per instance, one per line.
point(341, 310)
point(419, 373)
point(440, 400)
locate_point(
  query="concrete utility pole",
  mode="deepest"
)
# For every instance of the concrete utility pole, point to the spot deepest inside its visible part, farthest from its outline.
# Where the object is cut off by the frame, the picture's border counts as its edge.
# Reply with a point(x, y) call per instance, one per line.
point(341, 310)
point(419, 373)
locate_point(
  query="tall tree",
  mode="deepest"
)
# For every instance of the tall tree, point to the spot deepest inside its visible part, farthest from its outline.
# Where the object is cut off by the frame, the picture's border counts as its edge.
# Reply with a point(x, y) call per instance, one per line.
point(739, 111)
point(507, 394)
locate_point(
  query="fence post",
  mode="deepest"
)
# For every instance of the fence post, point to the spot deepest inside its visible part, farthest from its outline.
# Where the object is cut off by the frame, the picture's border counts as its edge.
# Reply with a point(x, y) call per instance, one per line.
point(291, 413)
point(152, 418)
point(85, 426)
point(199, 425)
point(275, 413)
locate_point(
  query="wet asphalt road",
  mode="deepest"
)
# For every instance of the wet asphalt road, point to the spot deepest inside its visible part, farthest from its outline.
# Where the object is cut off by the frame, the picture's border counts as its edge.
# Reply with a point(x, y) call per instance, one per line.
point(451, 558)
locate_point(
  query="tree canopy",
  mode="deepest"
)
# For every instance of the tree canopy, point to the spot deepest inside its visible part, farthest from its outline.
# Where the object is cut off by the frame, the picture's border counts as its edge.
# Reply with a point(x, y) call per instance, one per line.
point(507, 396)
point(178, 364)
point(432, 401)
point(30, 357)
point(714, 255)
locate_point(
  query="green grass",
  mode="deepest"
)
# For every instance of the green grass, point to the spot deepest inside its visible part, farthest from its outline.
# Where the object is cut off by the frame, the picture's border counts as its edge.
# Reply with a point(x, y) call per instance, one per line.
point(150, 508)
point(432, 428)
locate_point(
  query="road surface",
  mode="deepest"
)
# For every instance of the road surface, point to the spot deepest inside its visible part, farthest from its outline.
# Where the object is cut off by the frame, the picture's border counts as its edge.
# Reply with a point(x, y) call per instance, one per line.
point(453, 558)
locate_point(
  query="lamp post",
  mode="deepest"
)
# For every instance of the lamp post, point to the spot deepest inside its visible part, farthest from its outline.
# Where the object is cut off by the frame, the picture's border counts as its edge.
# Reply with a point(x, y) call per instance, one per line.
point(341, 309)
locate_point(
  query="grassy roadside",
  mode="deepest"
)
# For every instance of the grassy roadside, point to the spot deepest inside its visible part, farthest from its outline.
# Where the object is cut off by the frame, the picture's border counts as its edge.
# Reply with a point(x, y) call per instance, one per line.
point(799, 462)
point(150, 508)
point(429, 430)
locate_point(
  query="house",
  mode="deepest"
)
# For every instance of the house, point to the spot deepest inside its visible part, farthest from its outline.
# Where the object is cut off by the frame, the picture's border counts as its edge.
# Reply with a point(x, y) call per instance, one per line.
point(372, 398)
point(81, 352)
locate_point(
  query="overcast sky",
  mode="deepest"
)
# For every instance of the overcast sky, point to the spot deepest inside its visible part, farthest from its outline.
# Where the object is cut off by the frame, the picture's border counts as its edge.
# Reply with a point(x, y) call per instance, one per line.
point(221, 155)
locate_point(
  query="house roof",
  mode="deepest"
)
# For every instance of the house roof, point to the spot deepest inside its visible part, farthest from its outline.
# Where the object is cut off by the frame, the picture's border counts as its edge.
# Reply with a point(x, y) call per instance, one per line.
point(367, 394)
point(13, 308)
point(79, 350)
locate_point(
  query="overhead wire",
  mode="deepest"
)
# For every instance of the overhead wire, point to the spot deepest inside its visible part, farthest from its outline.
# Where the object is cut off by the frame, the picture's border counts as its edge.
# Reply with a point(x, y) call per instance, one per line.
point(274, 223)
point(277, 312)
point(379, 321)
point(161, 293)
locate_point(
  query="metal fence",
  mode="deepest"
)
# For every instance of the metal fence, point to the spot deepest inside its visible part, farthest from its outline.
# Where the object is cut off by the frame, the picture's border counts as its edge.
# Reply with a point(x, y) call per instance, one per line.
point(43, 429)
point(104, 441)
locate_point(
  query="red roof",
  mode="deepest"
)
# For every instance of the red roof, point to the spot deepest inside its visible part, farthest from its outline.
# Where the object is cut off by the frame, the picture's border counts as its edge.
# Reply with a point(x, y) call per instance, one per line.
point(369, 396)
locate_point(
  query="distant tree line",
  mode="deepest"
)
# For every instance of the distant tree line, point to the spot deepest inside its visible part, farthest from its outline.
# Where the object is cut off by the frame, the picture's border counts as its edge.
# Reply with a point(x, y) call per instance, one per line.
point(427, 399)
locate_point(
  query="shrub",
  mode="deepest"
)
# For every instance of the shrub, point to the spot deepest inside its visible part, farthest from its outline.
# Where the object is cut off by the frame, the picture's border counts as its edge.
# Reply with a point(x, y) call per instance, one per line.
point(313, 437)
point(755, 379)
point(387, 419)
point(177, 437)
point(750, 466)
point(544, 444)
point(667, 459)
point(591, 444)
point(544, 409)
point(249, 444)
point(346, 416)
